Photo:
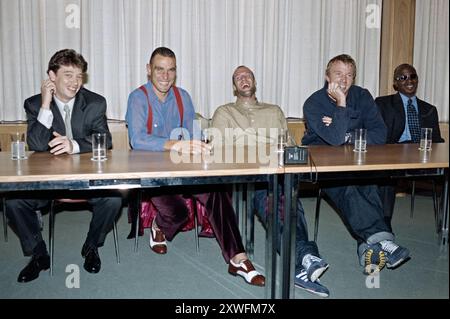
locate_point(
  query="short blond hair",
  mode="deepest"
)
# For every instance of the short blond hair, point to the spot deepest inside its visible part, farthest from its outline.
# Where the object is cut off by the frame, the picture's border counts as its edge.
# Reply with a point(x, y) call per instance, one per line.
point(344, 58)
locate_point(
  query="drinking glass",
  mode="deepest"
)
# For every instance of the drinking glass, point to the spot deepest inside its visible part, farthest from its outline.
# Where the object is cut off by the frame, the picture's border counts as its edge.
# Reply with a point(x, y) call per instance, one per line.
point(425, 139)
point(18, 146)
point(360, 140)
point(207, 138)
point(99, 147)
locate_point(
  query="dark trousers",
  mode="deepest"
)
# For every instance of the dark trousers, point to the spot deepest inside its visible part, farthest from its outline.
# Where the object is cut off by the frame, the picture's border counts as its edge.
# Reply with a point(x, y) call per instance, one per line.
point(22, 215)
point(361, 208)
point(173, 214)
point(387, 194)
point(303, 246)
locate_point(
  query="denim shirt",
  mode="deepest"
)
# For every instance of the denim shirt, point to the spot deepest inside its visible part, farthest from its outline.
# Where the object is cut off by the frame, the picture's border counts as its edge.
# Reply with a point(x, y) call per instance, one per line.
point(165, 122)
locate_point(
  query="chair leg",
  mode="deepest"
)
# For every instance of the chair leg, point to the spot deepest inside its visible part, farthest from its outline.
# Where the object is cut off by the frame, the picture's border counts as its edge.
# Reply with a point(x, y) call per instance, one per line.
point(138, 215)
point(316, 222)
point(5, 221)
point(116, 242)
point(250, 233)
point(413, 191)
point(435, 204)
point(197, 240)
point(51, 233)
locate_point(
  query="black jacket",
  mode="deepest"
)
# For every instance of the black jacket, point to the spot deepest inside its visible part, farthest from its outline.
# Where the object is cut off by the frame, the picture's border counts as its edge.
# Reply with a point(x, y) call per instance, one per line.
point(88, 117)
point(393, 113)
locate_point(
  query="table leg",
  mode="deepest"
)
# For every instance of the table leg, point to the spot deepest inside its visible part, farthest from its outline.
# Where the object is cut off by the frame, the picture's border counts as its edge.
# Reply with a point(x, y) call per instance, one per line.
point(271, 237)
point(288, 236)
point(443, 236)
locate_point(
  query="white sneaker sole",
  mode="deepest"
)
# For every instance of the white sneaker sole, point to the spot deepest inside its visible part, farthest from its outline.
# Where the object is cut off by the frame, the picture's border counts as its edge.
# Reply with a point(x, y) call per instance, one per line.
point(321, 294)
point(318, 272)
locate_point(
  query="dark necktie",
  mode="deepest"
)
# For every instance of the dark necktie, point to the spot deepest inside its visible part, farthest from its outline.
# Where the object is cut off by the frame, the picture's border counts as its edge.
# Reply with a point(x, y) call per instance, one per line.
point(413, 122)
point(67, 121)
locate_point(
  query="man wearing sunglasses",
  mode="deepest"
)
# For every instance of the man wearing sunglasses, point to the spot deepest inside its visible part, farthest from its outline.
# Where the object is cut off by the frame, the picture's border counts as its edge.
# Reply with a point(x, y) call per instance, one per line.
point(394, 110)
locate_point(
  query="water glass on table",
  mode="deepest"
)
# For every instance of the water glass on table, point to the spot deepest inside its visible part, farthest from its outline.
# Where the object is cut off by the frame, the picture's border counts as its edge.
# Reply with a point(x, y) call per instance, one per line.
point(282, 140)
point(425, 139)
point(99, 147)
point(18, 146)
point(207, 138)
point(360, 140)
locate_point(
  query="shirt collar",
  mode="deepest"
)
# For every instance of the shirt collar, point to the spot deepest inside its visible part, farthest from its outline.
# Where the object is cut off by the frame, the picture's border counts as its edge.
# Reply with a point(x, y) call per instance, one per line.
point(247, 104)
point(61, 104)
point(153, 95)
point(406, 98)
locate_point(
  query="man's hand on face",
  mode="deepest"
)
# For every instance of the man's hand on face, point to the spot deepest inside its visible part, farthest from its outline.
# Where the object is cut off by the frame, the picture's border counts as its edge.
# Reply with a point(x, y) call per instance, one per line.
point(188, 147)
point(47, 90)
point(336, 93)
point(60, 144)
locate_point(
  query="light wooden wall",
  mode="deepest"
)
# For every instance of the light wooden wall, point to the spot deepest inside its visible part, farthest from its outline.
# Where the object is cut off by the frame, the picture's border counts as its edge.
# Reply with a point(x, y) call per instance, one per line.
point(5, 134)
point(397, 39)
point(118, 130)
point(296, 129)
point(119, 133)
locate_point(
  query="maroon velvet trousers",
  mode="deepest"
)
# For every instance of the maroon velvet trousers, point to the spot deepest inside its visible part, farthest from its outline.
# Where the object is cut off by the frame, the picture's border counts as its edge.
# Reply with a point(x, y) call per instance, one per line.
point(173, 214)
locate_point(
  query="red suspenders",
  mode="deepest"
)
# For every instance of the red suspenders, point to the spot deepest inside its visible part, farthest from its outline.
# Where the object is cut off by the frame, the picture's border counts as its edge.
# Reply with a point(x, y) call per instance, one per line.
point(150, 112)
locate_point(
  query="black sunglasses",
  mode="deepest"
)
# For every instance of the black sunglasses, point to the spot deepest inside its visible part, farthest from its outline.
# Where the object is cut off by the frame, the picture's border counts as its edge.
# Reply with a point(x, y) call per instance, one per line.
point(406, 77)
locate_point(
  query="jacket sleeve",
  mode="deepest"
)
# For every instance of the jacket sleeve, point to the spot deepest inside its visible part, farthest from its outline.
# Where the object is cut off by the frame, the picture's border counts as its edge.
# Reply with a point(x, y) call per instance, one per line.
point(38, 135)
point(431, 119)
point(315, 109)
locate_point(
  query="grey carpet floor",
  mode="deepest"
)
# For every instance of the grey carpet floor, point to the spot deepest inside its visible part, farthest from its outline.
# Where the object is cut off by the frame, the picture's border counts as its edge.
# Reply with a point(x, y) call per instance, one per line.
point(184, 274)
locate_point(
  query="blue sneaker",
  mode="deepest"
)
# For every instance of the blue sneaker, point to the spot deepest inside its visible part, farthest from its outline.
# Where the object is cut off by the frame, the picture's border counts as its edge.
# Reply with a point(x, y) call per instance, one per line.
point(314, 266)
point(395, 254)
point(374, 259)
point(302, 282)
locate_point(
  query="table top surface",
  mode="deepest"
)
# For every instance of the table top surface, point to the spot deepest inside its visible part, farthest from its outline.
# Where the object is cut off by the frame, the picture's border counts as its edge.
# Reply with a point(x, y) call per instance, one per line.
point(327, 158)
point(43, 166)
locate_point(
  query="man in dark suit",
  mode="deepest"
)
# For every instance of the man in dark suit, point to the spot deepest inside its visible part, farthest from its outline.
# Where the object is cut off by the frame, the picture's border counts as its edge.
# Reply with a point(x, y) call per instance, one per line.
point(61, 120)
point(394, 110)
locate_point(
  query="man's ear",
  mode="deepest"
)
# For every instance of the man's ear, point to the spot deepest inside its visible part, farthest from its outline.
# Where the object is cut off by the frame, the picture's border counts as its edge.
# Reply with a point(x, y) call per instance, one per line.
point(149, 70)
point(394, 85)
point(52, 75)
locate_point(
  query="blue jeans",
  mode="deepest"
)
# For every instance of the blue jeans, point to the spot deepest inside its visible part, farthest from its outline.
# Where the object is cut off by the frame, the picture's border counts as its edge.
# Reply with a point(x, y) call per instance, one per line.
point(361, 209)
point(303, 246)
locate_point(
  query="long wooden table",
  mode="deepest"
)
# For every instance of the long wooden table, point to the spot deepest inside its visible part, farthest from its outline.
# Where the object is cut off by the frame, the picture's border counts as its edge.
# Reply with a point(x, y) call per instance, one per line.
point(140, 169)
point(340, 162)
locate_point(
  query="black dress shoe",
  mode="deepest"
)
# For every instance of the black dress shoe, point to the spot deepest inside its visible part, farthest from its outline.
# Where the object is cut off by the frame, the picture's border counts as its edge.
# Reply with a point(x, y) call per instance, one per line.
point(34, 267)
point(92, 262)
point(84, 250)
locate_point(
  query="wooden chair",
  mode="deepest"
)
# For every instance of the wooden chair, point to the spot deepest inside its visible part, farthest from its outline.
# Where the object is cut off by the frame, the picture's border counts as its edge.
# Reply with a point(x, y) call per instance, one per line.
point(435, 198)
point(58, 205)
